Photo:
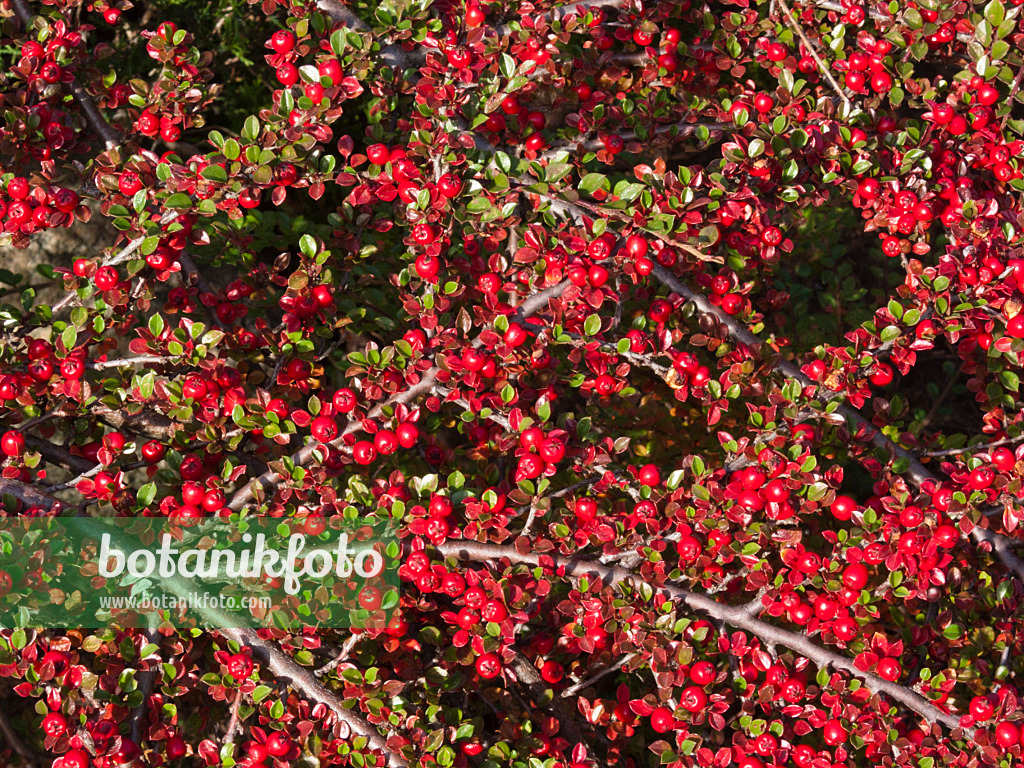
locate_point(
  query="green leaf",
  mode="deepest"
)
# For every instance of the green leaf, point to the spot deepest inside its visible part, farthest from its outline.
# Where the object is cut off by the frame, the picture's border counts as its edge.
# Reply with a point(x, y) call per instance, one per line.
point(592, 181)
point(307, 244)
point(251, 128)
point(629, 192)
point(507, 66)
point(179, 202)
point(69, 337)
point(146, 494)
point(592, 325)
point(889, 333)
point(995, 13)
point(214, 173)
point(149, 245)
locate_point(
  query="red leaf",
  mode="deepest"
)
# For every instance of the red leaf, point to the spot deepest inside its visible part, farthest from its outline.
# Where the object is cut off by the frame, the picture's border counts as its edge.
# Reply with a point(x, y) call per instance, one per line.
point(762, 660)
point(865, 661)
point(208, 752)
point(641, 707)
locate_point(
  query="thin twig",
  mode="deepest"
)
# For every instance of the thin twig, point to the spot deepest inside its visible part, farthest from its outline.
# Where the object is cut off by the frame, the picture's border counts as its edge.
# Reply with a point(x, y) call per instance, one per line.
point(96, 122)
point(814, 54)
point(229, 737)
point(16, 742)
point(737, 616)
point(342, 656)
point(286, 670)
point(589, 681)
point(1013, 93)
point(741, 335)
point(146, 684)
point(980, 448)
point(99, 365)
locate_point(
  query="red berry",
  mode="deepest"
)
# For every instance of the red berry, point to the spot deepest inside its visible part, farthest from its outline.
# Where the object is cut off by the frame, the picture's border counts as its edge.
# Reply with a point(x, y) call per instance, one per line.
point(331, 69)
point(282, 41)
point(843, 507)
point(278, 744)
point(106, 278)
point(855, 576)
point(344, 400)
point(889, 669)
point(693, 699)
point(882, 375)
point(771, 236)
point(240, 666)
point(662, 720)
point(1007, 734)
point(176, 748)
point(636, 246)
point(552, 671)
point(364, 452)
point(988, 95)
point(54, 724)
point(702, 673)
point(981, 708)
point(649, 475)
point(1015, 326)
point(586, 509)
point(324, 428)
point(287, 74)
point(488, 666)
point(377, 154)
point(408, 434)
point(834, 733)
point(12, 443)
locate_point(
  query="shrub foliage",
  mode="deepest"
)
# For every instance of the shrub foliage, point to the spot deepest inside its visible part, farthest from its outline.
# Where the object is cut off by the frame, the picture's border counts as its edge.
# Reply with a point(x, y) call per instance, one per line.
point(682, 338)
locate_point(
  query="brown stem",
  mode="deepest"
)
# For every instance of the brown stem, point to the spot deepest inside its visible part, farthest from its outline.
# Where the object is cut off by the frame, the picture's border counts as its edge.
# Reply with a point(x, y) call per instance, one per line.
point(983, 448)
point(145, 422)
point(528, 676)
point(15, 742)
point(832, 5)
point(96, 122)
point(589, 681)
point(738, 616)
point(58, 455)
point(392, 55)
point(270, 479)
point(99, 365)
point(1013, 93)
point(580, 8)
point(146, 685)
point(229, 737)
point(340, 658)
point(682, 130)
point(284, 669)
point(27, 495)
point(796, 26)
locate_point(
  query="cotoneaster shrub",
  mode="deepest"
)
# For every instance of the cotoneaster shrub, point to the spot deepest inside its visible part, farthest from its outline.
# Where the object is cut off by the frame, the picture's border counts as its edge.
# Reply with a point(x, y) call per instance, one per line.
point(684, 339)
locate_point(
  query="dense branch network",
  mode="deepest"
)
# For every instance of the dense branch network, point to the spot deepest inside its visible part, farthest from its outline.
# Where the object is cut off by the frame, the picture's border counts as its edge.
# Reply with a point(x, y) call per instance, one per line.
point(539, 210)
